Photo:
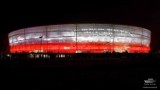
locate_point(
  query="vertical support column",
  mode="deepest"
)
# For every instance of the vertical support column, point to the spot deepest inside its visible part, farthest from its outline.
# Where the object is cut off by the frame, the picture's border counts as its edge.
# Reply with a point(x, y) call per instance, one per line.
point(76, 37)
point(25, 44)
point(10, 45)
point(91, 49)
point(141, 42)
point(46, 41)
point(58, 40)
point(41, 44)
point(149, 41)
point(113, 45)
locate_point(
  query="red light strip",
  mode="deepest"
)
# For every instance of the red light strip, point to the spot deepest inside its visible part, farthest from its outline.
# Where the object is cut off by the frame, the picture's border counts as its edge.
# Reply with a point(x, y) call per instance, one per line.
point(71, 48)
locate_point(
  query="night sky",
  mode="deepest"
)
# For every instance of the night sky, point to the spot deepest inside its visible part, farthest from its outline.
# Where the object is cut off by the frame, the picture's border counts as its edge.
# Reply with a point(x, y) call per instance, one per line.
point(143, 13)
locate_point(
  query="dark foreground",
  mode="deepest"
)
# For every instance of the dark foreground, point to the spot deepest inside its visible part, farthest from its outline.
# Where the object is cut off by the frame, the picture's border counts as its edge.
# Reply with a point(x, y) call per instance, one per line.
point(69, 74)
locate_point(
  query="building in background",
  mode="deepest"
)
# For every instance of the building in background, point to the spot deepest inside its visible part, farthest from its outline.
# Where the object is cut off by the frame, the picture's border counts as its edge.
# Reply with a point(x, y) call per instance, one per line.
point(80, 38)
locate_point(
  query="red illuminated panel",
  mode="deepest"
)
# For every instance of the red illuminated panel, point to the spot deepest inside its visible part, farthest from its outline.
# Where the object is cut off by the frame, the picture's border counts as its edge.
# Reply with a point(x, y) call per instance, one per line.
point(73, 48)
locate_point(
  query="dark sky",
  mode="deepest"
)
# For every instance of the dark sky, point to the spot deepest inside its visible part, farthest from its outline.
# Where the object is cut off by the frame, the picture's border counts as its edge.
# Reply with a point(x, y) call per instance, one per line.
point(143, 13)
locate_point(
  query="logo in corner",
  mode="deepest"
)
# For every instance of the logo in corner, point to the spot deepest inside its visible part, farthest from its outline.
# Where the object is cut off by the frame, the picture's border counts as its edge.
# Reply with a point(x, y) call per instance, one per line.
point(150, 83)
point(150, 80)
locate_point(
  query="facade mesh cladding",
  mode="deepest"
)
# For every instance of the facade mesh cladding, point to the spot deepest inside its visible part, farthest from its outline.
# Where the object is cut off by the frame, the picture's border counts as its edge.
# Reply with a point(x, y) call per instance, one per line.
point(80, 38)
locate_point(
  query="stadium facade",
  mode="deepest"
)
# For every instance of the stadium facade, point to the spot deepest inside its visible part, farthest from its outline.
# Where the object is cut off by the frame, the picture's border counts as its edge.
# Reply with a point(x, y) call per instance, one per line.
point(80, 38)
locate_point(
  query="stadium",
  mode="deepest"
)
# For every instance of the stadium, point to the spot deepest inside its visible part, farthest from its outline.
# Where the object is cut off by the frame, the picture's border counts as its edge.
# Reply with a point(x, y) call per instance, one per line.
point(80, 38)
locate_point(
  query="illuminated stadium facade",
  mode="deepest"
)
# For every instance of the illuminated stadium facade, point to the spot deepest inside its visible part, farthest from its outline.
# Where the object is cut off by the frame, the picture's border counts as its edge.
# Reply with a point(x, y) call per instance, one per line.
point(80, 38)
